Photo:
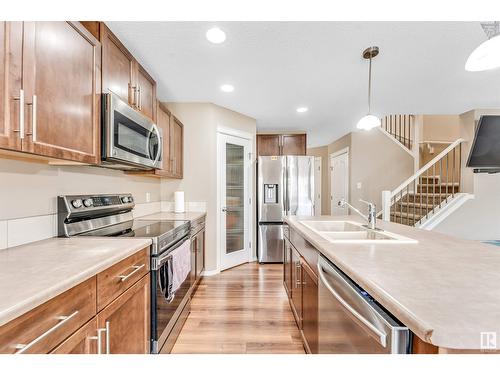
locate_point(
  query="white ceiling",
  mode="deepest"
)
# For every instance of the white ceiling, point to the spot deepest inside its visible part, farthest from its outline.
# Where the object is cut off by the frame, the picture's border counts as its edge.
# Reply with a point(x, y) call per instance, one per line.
point(279, 66)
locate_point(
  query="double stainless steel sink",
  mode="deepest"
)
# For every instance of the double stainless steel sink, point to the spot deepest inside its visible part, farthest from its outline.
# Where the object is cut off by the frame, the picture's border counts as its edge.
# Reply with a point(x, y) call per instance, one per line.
point(352, 232)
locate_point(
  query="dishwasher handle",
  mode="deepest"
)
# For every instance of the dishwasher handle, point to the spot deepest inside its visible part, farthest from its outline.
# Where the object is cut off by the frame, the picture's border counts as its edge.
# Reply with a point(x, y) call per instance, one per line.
point(377, 334)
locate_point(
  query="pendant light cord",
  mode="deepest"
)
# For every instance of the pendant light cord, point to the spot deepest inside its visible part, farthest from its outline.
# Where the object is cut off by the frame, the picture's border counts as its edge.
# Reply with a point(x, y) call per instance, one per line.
point(370, 86)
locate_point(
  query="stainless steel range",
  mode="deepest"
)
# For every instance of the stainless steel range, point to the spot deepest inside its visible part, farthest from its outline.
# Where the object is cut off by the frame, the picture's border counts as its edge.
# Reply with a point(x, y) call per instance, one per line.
point(110, 215)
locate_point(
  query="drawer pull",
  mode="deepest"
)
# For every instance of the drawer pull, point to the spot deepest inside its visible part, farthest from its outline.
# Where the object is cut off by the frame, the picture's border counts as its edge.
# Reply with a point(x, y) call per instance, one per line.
point(63, 319)
point(136, 269)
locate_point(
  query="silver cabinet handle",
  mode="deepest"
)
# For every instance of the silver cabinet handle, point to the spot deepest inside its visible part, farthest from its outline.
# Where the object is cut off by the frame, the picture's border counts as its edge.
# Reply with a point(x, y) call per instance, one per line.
point(62, 320)
point(99, 339)
point(108, 351)
point(379, 335)
point(297, 274)
point(136, 269)
point(21, 114)
point(139, 97)
point(33, 119)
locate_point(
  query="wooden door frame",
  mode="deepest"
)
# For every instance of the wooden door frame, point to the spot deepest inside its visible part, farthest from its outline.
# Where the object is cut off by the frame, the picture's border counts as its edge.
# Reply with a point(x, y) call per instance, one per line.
point(347, 184)
point(224, 131)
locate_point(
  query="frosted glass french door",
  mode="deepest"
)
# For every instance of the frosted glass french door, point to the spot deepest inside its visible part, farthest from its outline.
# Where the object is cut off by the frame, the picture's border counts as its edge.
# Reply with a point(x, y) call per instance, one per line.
point(234, 199)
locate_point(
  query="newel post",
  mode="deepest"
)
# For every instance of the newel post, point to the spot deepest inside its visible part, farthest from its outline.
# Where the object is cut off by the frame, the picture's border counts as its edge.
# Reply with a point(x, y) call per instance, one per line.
point(386, 205)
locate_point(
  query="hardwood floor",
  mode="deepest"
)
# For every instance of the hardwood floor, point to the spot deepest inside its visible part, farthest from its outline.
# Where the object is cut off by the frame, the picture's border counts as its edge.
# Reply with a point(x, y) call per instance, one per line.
point(241, 310)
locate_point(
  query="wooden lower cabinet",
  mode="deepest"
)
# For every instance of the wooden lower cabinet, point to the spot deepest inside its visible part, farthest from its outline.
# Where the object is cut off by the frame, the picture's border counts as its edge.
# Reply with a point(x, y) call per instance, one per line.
point(126, 321)
point(83, 341)
point(296, 290)
point(309, 308)
point(301, 284)
point(72, 322)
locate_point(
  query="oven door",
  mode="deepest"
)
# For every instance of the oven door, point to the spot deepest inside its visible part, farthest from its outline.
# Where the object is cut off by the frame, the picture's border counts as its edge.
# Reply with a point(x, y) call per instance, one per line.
point(130, 137)
point(164, 313)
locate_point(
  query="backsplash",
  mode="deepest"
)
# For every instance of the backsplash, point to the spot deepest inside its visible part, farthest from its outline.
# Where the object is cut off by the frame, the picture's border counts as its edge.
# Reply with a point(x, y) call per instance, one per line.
point(15, 232)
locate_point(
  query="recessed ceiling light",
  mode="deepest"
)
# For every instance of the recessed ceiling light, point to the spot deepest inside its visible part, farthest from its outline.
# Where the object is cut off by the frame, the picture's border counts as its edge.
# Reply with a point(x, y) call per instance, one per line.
point(302, 109)
point(227, 88)
point(216, 35)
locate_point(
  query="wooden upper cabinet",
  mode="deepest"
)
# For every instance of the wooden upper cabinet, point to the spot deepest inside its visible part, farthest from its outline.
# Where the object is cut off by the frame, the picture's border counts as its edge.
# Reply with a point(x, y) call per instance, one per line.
point(281, 144)
point(11, 45)
point(61, 79)
point(123, 75)
point(268, 145)
point(146, 93)
point(118, 67)
point(176, 146)
point(294, 144)
point(163, 122)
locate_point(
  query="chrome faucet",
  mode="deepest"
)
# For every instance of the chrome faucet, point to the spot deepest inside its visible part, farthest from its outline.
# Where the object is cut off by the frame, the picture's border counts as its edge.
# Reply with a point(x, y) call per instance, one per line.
point(372, 214)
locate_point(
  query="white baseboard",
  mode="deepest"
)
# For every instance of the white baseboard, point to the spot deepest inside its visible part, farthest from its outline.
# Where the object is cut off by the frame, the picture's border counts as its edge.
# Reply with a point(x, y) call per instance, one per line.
point(210, 273)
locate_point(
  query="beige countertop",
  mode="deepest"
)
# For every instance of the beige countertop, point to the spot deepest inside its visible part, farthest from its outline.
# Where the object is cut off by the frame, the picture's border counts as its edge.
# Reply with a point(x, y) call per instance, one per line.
point(34, 273)
point(446, 290)
point(190, 216)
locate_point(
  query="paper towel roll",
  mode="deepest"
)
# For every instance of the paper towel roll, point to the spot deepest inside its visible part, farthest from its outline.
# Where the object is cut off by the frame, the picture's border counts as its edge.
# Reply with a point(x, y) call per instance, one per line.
point(179, 201)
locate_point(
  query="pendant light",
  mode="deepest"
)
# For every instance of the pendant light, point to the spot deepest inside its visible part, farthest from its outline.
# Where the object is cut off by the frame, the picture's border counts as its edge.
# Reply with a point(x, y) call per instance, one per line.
point(369, 121)
point(487, 55)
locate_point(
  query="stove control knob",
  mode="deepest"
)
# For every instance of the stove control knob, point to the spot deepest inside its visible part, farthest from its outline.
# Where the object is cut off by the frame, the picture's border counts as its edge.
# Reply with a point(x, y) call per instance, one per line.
point(126, 199)
point(88, 202)
point(77, 203)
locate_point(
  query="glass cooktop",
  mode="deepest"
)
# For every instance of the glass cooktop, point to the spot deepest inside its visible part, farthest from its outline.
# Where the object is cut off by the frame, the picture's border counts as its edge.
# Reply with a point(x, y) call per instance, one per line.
point(138, 228)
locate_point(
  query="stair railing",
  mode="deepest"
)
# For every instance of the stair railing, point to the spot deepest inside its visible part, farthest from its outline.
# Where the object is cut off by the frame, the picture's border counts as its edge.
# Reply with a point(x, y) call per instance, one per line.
point(427, 189)
point(400, 127)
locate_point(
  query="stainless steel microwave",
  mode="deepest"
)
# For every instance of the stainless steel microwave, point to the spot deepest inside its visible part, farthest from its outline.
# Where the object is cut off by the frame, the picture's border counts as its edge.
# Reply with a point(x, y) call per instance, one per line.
point(130, 140)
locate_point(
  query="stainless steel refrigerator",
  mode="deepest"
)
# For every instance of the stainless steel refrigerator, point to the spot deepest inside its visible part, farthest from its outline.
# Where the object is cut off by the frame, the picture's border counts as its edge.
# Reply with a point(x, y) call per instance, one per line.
point(285, 186)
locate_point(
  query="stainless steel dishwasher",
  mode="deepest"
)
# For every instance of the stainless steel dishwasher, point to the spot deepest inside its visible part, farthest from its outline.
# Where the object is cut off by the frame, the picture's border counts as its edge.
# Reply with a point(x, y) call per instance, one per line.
point(351, 321)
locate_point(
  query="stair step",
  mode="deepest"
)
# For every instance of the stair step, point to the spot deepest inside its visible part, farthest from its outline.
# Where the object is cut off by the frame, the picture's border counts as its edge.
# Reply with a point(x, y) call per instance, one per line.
point(424, 197)
point(432, 179)
point(439, 188)
point(408, 215)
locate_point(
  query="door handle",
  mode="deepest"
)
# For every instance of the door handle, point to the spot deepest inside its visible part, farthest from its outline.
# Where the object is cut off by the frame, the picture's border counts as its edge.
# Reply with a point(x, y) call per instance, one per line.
point(224, 209)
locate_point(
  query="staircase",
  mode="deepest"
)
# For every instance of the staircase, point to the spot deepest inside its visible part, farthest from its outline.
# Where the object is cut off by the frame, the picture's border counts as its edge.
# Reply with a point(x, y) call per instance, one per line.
point(429, 189)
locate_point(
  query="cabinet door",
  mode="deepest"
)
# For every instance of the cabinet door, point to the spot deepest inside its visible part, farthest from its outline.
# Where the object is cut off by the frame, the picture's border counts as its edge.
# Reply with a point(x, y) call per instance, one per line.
point(118, 66)
point(11, 112)
point(200, 253)
point(126, 321)
point(177, 139)
point(296, 287)
point(294, 144)
point(146, 93)
point(83, 341)
point(163, 121)
point(309, 308)
point(268, 145)
point(287, 267)
point(61, 78)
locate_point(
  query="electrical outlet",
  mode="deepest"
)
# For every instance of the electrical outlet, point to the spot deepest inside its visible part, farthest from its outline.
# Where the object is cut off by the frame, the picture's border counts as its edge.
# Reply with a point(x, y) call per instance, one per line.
point(358, 185)
point(148, 197)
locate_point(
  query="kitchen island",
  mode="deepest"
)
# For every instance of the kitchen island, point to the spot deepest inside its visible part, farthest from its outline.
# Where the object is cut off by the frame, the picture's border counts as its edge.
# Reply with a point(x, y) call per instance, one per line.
point(444, 289)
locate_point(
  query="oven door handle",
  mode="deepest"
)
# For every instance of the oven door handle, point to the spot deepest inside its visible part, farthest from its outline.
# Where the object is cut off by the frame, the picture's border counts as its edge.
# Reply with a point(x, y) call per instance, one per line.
point(163, 258)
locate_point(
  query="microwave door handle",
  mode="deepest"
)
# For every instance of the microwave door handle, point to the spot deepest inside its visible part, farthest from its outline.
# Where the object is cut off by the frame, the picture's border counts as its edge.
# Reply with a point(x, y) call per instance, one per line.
point(160, 144)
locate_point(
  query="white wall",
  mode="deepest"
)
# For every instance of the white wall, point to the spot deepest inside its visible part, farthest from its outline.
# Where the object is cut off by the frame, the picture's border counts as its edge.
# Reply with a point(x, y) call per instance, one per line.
point(28, 192)
point(478, 218)
point(201, 121)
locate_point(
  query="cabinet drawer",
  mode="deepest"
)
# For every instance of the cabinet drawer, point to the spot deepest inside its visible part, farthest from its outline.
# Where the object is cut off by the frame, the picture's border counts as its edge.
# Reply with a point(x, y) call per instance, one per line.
point(43, 328)
point(115, 280)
